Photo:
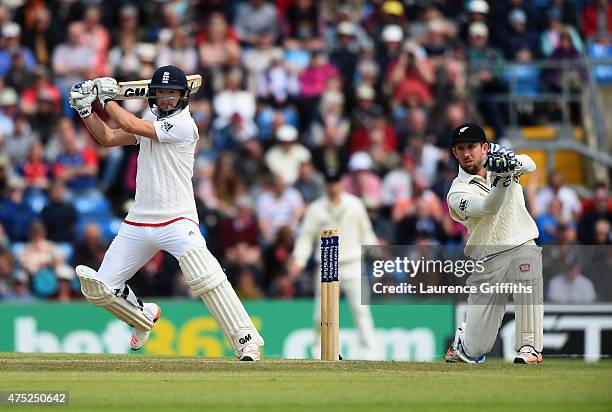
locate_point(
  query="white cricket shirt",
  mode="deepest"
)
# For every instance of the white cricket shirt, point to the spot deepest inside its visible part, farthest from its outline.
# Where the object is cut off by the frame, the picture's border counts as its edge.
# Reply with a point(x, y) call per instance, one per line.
point(349, 217)
point(491, 231)
point(163, 181)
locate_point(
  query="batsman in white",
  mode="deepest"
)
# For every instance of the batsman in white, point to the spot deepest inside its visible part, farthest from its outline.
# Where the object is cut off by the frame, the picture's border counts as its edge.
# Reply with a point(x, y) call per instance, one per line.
point(490, 203)
point(346, 213)
point(163, 216)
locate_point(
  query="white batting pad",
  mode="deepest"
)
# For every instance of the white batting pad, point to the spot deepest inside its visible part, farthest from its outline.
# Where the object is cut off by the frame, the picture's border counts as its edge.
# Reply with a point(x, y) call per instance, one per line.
point(97, 293)
point(528, 307)
point(205, 276)
point(202, 270)
point(529, 326)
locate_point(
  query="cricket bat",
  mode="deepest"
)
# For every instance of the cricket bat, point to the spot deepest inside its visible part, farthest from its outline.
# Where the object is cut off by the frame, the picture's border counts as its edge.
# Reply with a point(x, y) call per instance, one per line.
point(138, 89)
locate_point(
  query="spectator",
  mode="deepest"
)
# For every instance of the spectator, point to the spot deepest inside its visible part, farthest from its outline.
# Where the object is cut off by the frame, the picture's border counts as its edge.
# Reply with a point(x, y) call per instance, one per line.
point(42, 261)
point(570, 204)
point(218, 46)
point(11, 39)
point(548, 221)
point(20, 290)
point(601, 210)
point(329, 121)
point(278, 255)
point(246, 286)
point(123, 59)
point(551, 37)
point(564, 51)
point(239, 234)
point(60, 216)
point(277, 84)
point(178, 52)
point(346, 14)
point(97, 38)
point(603, 234)
point(258, 59)
point(42, 85)
point(487, 67)
point(78, 167)
point(16, 215)
point(420, 215)
point(447, 171)
point(379, 140)
point(43, 37)
point(235, 108)
point(73, 61)
point(35, 169)
point(344, 54)
point(313, 82)
point(361, 181)
point(426, 157)
point(397, 184)
point(90, 250)
point(302, 20)
point(571, 286)
point(392, 37)
point(477, 11)
point(519, 36)
point(8, 100)
point(17, 147)
point(254, 17)
point(310, 183)
point(567, 10)
point(597, 18)
point(65, 293)
point(278, 205)
point(285, 158)
point(411, 77)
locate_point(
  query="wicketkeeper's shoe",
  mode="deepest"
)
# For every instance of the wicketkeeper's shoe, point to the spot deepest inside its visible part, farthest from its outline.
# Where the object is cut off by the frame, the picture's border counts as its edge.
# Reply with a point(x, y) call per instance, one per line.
point(528, 356)
point(250, 353)
point(139, 337)
point(456, 354)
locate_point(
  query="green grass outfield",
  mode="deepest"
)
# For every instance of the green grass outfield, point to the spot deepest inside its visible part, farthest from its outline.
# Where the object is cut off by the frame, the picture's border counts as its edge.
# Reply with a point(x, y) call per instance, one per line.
point(145, 384)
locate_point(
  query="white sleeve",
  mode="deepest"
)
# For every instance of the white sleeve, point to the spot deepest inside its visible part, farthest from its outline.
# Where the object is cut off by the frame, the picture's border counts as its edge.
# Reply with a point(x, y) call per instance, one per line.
point(465, 204)
point(368, 237)
point(307, 234)
point(175, 130)
point(526, 164)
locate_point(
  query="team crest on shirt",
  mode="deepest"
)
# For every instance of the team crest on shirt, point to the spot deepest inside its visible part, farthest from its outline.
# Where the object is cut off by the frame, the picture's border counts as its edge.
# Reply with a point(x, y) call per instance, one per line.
point(524, 267)
point(167, 126)
point(463, 205)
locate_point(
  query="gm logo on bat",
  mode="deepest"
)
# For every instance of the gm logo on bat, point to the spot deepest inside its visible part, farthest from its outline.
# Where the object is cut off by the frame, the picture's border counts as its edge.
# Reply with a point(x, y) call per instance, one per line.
point(131, 92)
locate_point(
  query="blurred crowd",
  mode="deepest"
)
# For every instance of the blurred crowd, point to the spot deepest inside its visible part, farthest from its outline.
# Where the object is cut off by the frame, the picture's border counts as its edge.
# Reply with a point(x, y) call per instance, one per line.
point(292, 88)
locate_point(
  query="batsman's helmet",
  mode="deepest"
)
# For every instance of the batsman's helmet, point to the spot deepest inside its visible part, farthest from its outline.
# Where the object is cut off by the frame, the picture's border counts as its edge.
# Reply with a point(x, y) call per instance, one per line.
point(169, 77)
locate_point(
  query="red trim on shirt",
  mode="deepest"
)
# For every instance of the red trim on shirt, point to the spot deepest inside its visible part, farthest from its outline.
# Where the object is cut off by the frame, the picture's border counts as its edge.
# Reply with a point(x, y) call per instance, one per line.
point(159, 224)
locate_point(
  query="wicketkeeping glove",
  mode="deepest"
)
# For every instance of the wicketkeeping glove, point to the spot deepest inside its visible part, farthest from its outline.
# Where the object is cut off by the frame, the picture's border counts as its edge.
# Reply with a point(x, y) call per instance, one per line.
point(108, 89)
point(500, 160)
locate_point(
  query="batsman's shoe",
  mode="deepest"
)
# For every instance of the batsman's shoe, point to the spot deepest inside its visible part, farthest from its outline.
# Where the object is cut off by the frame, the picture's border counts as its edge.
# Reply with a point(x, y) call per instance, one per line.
point(528, 356)
point(455, 352)
point(139, 337)
point(250, 353)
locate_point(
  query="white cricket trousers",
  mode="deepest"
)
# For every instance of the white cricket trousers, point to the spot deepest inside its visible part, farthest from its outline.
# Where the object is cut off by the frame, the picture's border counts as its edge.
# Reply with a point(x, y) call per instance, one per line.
point(523, 265)
point(134, 246)
point(350, 284)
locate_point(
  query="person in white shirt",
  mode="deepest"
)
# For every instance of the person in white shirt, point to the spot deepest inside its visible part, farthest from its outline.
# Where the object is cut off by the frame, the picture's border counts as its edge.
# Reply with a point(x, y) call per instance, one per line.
point(570, 203)
point(339, 210)
point(163, 216)
point(490, 203)
point(286, 157)
point(571, 286)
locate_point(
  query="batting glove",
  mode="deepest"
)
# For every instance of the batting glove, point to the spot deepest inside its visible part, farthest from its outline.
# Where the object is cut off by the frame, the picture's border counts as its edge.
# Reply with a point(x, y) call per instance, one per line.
point(108, 89)
point(82, 95)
